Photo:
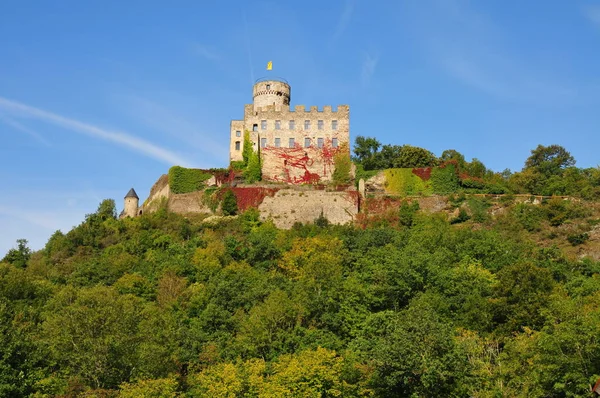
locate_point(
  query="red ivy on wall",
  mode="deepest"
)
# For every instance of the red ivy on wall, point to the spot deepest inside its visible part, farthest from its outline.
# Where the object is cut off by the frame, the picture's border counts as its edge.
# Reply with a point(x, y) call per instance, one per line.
point(297, 159)
point(251, 196)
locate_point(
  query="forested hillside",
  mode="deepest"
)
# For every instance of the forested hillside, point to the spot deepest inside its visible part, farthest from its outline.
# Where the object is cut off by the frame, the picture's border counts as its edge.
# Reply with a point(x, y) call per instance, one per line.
point(417, 305)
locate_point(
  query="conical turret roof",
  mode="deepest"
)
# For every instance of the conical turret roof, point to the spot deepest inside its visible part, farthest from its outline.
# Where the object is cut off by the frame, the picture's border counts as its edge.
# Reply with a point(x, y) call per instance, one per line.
point(131, 194)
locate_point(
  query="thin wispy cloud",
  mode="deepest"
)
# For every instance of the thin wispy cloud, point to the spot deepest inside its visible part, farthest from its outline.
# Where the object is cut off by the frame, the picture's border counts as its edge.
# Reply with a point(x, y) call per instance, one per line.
point(593, 14)
point(504, 81)
point(470, 48)
point(172, 121)
point(205, 52)
point(16, 109)
point(368, 69)
point(344, 19)
point(18, 126)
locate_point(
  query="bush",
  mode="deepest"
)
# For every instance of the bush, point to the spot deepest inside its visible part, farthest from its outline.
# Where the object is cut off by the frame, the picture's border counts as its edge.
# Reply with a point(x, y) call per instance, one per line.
point(578, 239)
point(229, 207)
point(182, 180)
point(407, 212)
point(529, 216)
point(321, 221)
point(478, 209)
point(444, 179)
point(342, 164)
point(462, 217)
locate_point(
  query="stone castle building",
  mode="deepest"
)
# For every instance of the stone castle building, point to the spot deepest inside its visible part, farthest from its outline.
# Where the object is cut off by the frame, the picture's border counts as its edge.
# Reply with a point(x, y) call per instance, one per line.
point(295, 146)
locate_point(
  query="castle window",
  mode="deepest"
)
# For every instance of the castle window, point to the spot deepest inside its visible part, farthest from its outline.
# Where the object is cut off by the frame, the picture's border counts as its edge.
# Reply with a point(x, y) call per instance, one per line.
point(334, 142)
point(237, 145)
point(255, 127)
point(238, 133)
point(268, 86)
point(320, 142)
point(306, 142)
point(334, 124)
point(320, 125)
point(306, 124)
point(263, 124)
point(263, 142)
point(292, 143)
point(292, 125)
point(277, 142)
point(277, 124)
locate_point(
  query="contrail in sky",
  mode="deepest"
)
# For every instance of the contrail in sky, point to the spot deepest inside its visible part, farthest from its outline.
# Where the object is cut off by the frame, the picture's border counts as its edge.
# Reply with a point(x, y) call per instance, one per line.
point(139, 145)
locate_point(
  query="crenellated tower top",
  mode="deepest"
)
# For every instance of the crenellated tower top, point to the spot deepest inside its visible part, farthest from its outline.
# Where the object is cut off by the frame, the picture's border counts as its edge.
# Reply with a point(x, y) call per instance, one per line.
point(274, 92)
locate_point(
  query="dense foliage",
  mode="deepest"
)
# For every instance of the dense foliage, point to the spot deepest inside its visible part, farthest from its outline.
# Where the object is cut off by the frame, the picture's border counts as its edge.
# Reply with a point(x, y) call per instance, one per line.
point(183, 180)
point(550, 170)
point(165, 306)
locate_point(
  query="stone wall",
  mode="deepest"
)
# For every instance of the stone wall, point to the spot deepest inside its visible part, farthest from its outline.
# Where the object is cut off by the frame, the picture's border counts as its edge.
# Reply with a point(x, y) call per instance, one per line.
point(188, 203)
point(159, 190)
point(289, 206)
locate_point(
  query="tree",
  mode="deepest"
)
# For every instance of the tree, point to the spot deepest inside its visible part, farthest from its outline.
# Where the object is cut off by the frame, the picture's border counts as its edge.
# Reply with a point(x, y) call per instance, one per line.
point(412, 156)
point(107, 209)
point(92, 333)
point(452, 154)
point(365, 149)
point(19, 256)
point(549, 160)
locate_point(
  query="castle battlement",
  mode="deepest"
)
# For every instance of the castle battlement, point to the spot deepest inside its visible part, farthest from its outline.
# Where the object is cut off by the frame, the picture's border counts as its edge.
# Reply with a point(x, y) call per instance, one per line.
point(298, 109)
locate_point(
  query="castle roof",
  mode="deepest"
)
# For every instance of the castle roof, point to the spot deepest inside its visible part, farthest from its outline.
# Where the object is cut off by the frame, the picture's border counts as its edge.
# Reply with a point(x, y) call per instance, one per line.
point(131, 194)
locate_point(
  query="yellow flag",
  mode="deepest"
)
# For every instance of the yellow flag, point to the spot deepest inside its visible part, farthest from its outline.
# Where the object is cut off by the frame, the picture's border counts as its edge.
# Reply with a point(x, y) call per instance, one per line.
point(269, 65)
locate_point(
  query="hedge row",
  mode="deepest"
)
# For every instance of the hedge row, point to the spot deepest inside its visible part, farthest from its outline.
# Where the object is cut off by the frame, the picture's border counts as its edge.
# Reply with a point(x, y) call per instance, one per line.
point(182, 180)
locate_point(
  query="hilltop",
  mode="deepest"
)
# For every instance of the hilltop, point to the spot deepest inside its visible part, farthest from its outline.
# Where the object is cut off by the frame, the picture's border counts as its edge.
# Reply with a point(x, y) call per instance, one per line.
point(464, 294)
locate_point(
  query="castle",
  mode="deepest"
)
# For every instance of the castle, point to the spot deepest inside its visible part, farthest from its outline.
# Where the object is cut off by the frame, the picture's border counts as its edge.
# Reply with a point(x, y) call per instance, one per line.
point(295, 146)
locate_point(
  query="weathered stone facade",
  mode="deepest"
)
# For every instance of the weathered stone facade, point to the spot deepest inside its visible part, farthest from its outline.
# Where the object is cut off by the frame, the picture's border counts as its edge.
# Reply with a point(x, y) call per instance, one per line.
point(296, 146)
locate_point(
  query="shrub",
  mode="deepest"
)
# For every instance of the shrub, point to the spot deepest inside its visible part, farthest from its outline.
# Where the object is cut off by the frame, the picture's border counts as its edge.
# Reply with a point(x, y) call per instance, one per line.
point(229, 207)
point(321, 221)
point(478, 209)
point(342, 164)
point(444, 179)
point(462, 217)
point(529, 216)
point(407, 212)
point(578, 239)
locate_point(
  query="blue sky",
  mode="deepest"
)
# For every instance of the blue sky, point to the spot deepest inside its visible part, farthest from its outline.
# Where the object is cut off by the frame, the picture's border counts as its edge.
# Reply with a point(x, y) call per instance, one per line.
point(100, 96)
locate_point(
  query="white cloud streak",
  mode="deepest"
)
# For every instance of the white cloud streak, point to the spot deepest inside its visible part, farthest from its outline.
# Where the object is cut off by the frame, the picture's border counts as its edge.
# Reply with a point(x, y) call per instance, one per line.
point(344, 20)
point(136, 144)
point(18, 126)
point(206, 52)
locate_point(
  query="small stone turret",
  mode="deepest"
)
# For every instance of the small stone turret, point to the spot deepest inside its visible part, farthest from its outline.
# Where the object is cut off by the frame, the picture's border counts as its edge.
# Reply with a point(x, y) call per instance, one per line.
point(131, 204)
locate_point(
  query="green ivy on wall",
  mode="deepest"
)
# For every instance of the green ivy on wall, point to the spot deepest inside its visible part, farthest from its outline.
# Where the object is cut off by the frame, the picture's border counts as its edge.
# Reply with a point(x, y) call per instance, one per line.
point(405, 182)
point(182, 180)
point(253, 171)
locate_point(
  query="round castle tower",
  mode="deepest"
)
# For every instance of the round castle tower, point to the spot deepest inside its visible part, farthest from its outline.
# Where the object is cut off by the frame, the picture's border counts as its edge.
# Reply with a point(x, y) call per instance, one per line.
point(271, 93)
point(131, 203)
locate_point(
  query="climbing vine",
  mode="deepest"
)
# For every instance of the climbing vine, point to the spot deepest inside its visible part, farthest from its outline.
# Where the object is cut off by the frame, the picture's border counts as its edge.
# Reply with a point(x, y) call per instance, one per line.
point(182, 180)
